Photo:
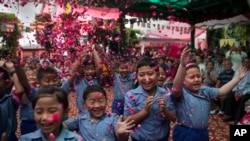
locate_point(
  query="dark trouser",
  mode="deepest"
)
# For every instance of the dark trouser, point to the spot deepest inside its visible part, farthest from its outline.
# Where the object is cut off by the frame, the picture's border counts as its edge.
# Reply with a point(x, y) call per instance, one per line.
point(118, 107)
point(164, 139)
point(182, 133)
point(236, 109)
point(12, 137)
point(28, 126)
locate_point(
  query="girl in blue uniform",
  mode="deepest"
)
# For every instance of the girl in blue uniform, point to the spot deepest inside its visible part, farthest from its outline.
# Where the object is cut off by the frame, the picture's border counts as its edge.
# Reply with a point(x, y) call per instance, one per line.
point(50, 108)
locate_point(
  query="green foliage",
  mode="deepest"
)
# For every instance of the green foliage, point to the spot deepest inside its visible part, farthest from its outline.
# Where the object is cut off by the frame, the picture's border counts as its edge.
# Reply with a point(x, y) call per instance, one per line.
point(4, 17)
point(239, 32)
point(132, 39)
point(9, 39)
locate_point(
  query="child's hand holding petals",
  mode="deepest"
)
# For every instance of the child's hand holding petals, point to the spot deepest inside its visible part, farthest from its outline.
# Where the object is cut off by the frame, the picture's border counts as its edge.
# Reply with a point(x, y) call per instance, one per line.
point(148, 103)
point(162, 104)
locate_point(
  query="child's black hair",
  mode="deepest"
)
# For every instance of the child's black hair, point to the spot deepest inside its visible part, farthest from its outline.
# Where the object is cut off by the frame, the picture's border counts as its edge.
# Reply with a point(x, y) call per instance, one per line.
point(122, 61)
point(42, 71)
point(191, 65)
point(145, 62)
point(88, 60)
point(210, 62)
point(4, 74)
point(59, 93)
point(93, 88)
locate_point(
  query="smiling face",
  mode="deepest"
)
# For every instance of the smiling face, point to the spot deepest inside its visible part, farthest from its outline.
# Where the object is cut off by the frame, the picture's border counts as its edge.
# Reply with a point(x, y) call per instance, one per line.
point(161, 77)
point(49, 80)
point(147, 78)
point(210, 66)
point(31, 76)
point(193, 79)
point(89, 71)
point(49, 114)
point(123, 70)
point(95, 103)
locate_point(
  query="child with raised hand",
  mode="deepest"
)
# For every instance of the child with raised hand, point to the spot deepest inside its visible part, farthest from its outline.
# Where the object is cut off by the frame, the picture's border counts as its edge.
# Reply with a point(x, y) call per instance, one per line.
point(122, 83)
point(50, 108)
point(149, 105)
point(9, 100)
point(96, 124)
point(90, 70)
point(28, 123)
point(192, 100)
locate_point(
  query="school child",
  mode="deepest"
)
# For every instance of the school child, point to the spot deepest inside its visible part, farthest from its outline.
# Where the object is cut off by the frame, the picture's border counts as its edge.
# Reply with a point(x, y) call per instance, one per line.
point(122, 83)
point(9, 101)
point(50, 108)
point(28, 123)
point(96, 124)
point(91, 70)
point(149, 105)
point(161, 77)
point(192, 100)
point(46, 77)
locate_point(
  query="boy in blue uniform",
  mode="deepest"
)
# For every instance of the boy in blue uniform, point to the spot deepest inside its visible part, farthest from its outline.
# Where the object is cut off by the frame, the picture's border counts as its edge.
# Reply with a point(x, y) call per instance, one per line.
point(9, 101)
point(90, 75)
point(46, 77)
point(96, 124)
point(192, 101)
point(122, 83)
point(149, 105)
point(50, 108)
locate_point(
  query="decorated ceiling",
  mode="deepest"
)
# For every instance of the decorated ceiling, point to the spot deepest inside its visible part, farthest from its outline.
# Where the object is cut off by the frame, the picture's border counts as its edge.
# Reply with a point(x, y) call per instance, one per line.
point(190, 11)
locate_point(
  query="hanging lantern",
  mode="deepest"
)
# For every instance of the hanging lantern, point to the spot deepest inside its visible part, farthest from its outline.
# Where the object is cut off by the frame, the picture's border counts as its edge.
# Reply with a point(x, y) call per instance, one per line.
point(7, 27)
point(40, 27)
point(32, 27)
point(20, 26)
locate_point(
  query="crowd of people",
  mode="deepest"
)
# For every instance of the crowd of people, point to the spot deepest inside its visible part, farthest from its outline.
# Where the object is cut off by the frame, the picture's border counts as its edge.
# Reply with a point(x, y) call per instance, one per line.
point(149, 92)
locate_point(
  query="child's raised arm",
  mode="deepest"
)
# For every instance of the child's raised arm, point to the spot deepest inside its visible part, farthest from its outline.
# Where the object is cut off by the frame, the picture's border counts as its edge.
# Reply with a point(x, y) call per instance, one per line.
point(97, 60)
point(181, 72)
point(12, 71)
point(21, 74)
point(240, 74)
point(74, 71)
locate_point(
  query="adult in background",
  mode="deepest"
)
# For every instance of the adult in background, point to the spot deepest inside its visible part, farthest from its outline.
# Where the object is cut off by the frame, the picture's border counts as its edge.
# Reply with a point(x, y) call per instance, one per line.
point(236, 55)
point(235, 106)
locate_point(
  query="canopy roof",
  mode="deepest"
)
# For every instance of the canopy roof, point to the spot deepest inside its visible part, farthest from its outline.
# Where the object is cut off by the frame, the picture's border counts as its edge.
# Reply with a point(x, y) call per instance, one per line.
point(190, 11)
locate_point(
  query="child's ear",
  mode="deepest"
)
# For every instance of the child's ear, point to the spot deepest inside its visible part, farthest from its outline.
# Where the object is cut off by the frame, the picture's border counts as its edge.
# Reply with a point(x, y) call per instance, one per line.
point(66, 113)
point(84, 104)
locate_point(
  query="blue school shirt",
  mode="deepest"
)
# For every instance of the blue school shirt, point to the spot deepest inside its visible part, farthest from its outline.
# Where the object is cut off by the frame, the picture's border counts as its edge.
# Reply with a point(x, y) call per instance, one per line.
point(104, 129)
point(154, 126)
point(26, 111)
point(65, 135)
point(65, 85)
point(192, 110)
point(8, 109)
point(81, 84)
point(121, 86)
